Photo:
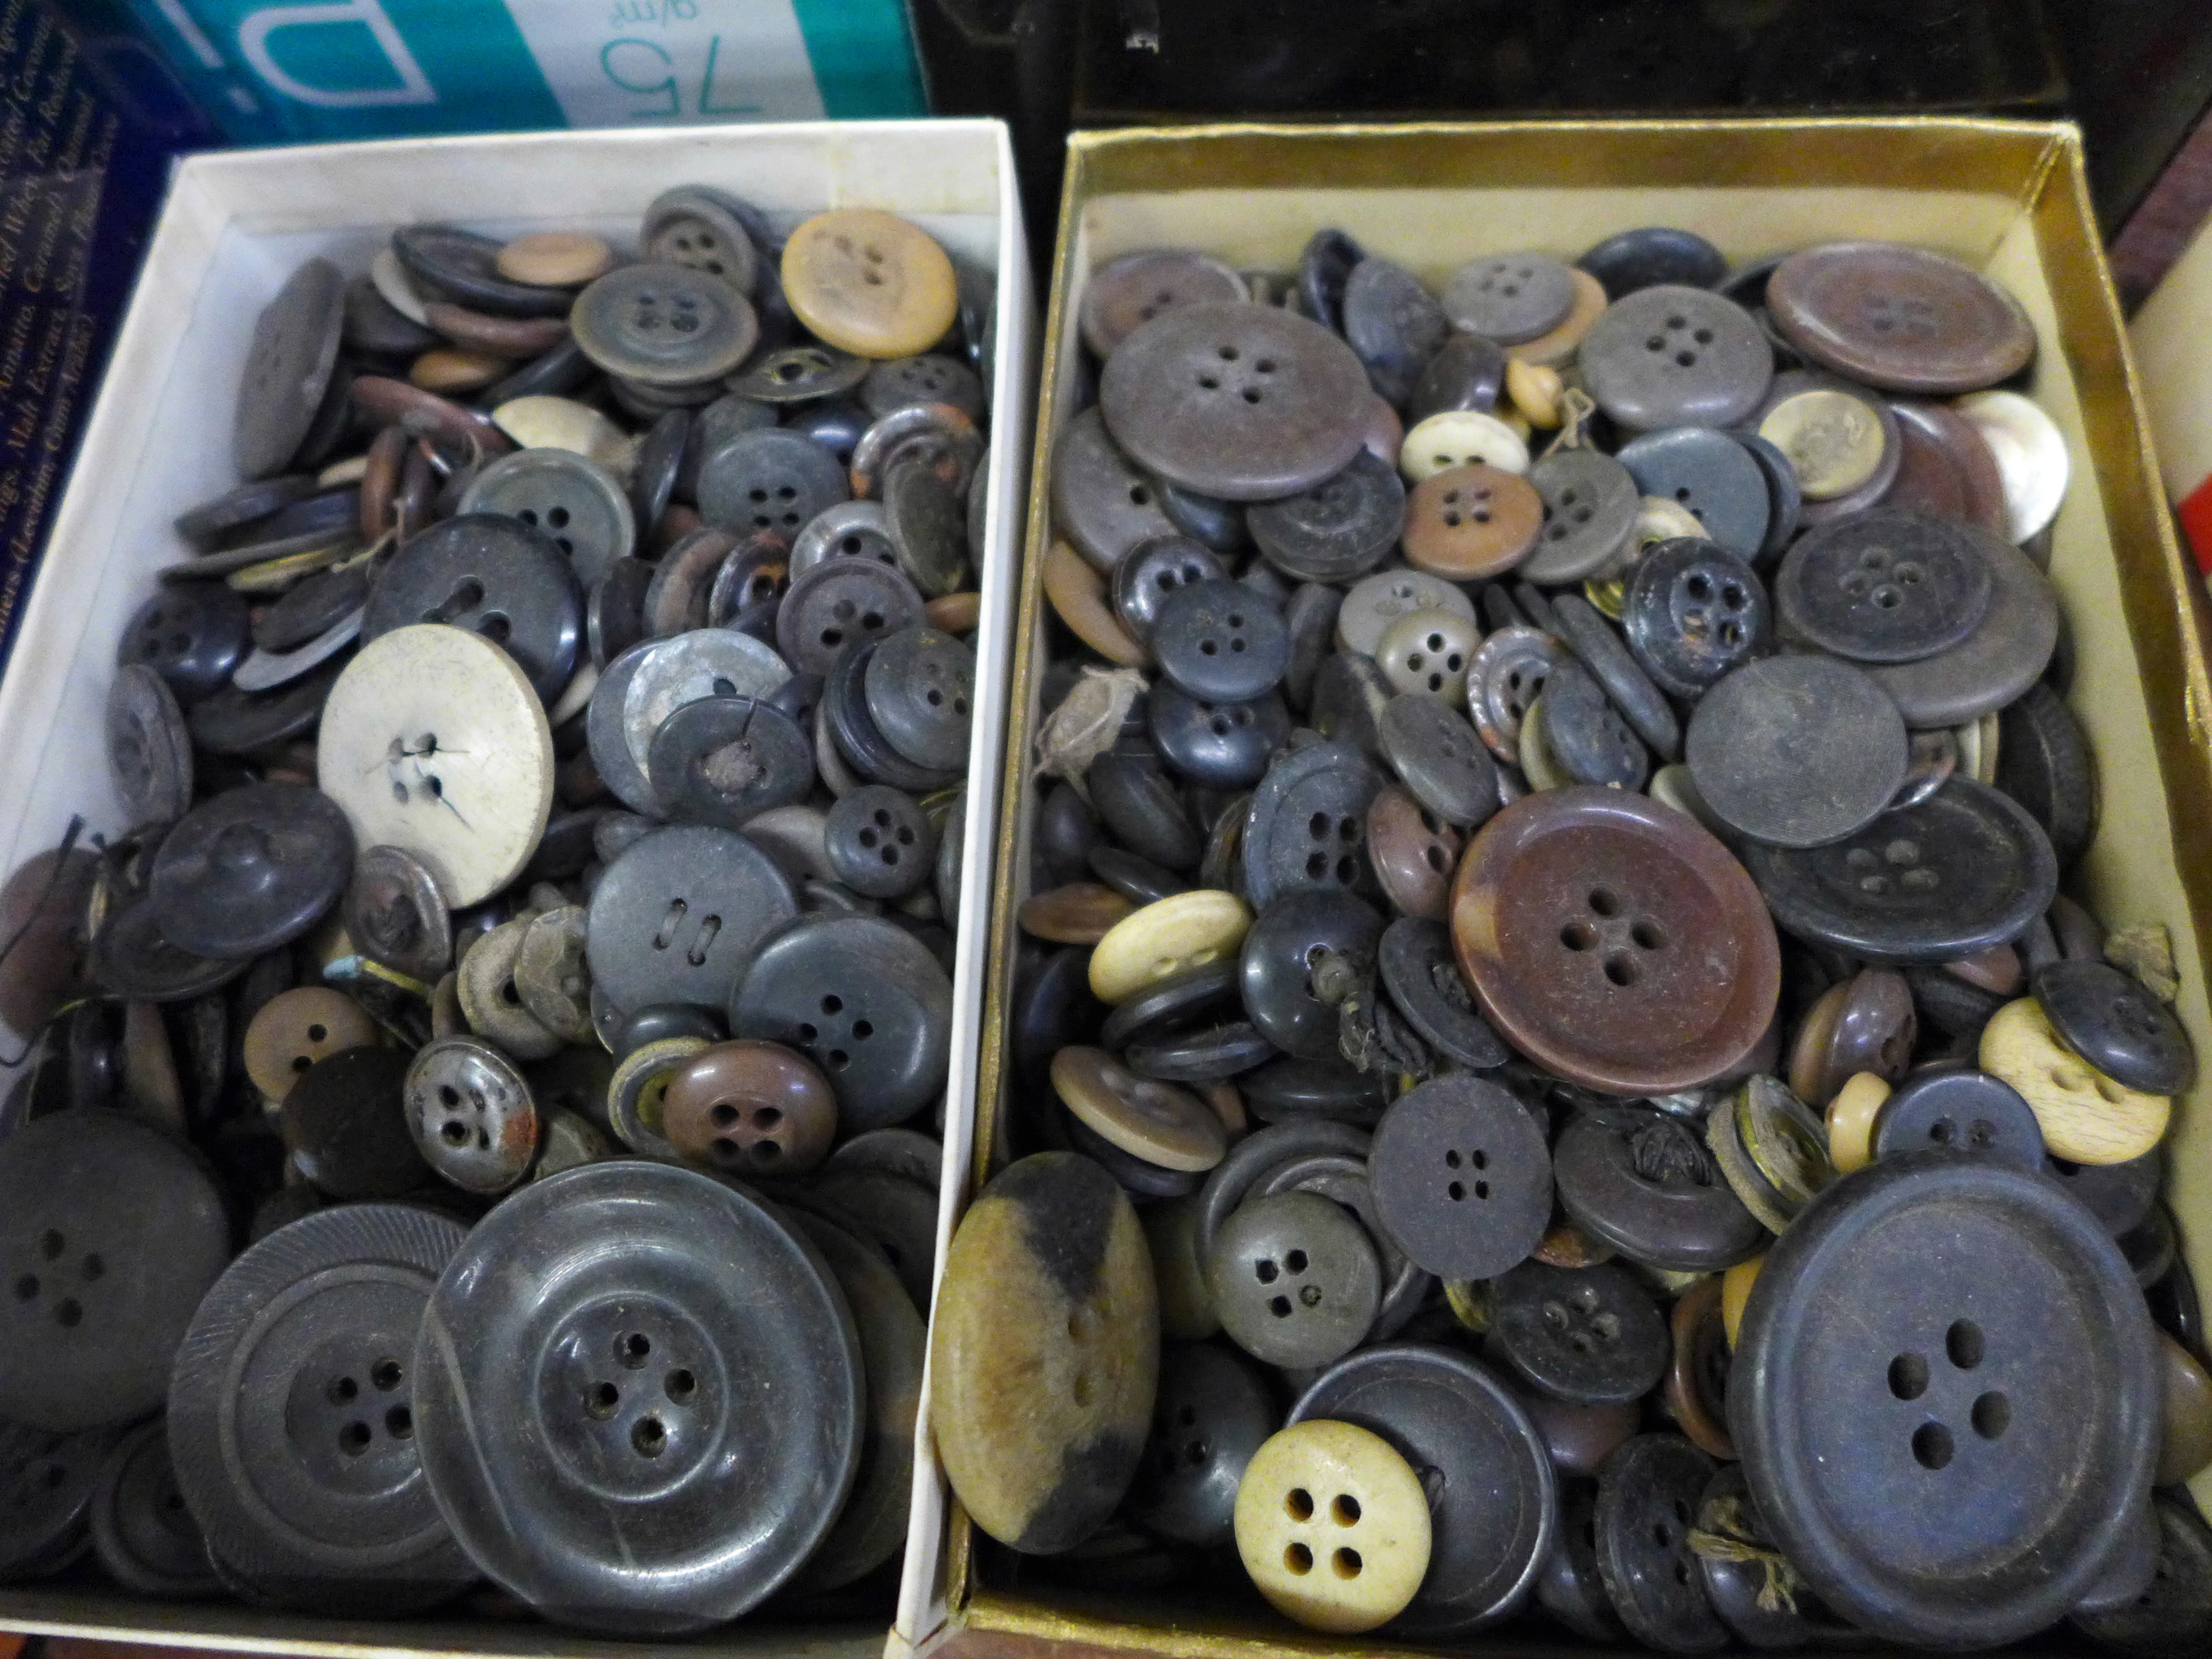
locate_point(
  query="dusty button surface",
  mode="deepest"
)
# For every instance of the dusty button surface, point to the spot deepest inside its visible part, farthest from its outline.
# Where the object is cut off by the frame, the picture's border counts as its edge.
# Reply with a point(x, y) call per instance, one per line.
point(870, 282)
point(1333, 1526)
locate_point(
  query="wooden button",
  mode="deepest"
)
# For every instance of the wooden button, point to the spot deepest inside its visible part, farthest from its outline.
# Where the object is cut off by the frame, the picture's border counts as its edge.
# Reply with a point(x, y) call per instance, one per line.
point(1165, 938)
point(1080, 913)
point(869, 282)
point(1470, 522)
point(1078, 594)
point(2087, 1117)
point(555, 258)
point(296, 1028)
point(751, 1108)
point(2186, 1396)
point(1333, 1526)
point(1045, 1352)
point(1851, 1117)
point(1152, 1120)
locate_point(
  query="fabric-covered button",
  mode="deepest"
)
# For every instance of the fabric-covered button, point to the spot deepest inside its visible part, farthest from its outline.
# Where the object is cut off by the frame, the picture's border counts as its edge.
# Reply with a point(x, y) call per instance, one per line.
point(1797, 751)
point(1463, 1180)
point(1297, 1281)
point(1244, 402)
point(1067, 1340)
point(1333, 1527)
point(2115, 1023)
point(1580, 899)
point(1670, 356)
point(1588, 1335)
point(869, 282)
point(1902, 317)
point(1470, 522)
point(1509, 297)
point(1460, 438)
point(2087, 1117)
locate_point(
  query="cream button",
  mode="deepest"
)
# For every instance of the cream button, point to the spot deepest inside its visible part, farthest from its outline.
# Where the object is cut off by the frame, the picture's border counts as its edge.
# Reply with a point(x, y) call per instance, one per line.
point(1333, 1526)
point(869, 282)
point(544, 422)
point(1156, 1121)
point(2087, 1117)
point(2030, 452)
point(1851, 1116)
point(1460, 437)
point(1168, 936)
point(1428, 651)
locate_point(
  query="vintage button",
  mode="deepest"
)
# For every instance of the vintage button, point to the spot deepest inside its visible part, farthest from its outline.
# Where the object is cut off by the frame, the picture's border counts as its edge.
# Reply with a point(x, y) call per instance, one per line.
point(2114, 1022)
point(2174, 1611)
point(1698, 1371)
point(296, 1028)
point(725, 760)
point(2186, 1395)
point(838, 602)
point(1579, 1438)
point(1333, 1526)
point(1582, 736)
point(1578, 625)
point(1389, 320)
point(864, 999)
point(1736, 1582)
point(1073, 1335)
point(1256, 1156)
point(1461, 1178)
point(1473, 521)
point(490, 999)
point(1142, 811)
point(1884, 587)
point(1154, 568)
point(1992, 665)
point(496, 576)
point(1424, 984)
point(554, 258)
point(191, 634)
point(1841, 441)
point(1324, 267)
point(795, 375)
point(1865, 1024)
point(143, 1535)
point(148, 747)
point(2087, 1117)
point(343, 1129)
point(2044, 762)
point(1576, 900)
point(250, 869)
point(1962, 1111)
point(1648, 1495)
point(1946, 470)
point(1692, 612)
point(1168, 937)
point(930, 377)
point(293, 1411)
point(1347, 701)
point(1278, 961)
point(1244, 402)
point(1207, 1056)
point(1851, 1116)
point(433, 259)
point(693, 225)
point(1633, 259)
point(881, 844)
point(1338, 529)
point(661, 325)
point(1494, 1507)
point(550, 974)
point(1902, 317)
point(769, 478)
point(869, 282)
point(1454, 438)
point(1589, 513)
point(1571, 1588)
point(608, 1382)
point(1212, 1414)
point(1373, 603)
point(1986, 1314)
point(1588, 1335)
point(288, 369)
point(1507, 674)
point(1467, 372)
point(470, 1113)
point(1556, 349)
point(1509, 297)
point(1772, 1148)
point(679, 915)
point(848, 530)
point(927, 526)
point(1077, 596)
point(1711, 475)
point(1285, 1089)
point(1296, 1280)
point(1152, 1121)
point(571, 500)
point(1962, 871)
point(1101, 502)
point(2031, 455)
point(638, 1087)
point(691, 667)
point(1413, 852)
point(1079, 912)
point(1220, 640)
point(753, 1108)
point(1222, 745)
point(116, 1231)
point(1797, 751)
point(1306, 825)
point(1674, 356)
point(1645, 1187)
point(1436, 756)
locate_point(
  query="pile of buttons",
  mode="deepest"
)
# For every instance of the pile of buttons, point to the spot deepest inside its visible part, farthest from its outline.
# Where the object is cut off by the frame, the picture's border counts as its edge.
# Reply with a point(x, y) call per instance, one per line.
point(546, 773)
point(1545, 984)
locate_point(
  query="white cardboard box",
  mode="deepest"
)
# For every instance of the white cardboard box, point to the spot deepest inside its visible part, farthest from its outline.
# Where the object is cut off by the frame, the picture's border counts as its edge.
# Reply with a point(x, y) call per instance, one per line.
point(235, 225)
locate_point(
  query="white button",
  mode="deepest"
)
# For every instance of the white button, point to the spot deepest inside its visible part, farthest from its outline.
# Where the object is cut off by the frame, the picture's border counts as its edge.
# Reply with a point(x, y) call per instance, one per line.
point(2030, 457)
point(1457, 437)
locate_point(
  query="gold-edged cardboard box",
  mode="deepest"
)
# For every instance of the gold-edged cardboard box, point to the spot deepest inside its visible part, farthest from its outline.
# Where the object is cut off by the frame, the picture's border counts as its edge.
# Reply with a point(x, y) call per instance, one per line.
point(2009, 197)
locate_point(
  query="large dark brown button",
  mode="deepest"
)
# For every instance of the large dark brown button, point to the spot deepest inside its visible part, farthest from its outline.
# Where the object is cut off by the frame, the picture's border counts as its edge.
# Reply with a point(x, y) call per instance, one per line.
point(751, 1108)
point(1901, 318)
point(1614, 941)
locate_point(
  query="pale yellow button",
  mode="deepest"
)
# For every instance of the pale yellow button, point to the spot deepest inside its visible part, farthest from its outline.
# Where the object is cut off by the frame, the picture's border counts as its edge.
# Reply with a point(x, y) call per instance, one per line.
point(1986, 732)
point(1735, 1292)
point(1333, 1526)
point(1658, 519)
point(1534, 389)
point(2087, 1117)
point(1458, 437)
point(1168, 937)
point(543, 422)
point(1078, 594)
point(555, 258)
point(1832, 440)
point(1851, 1117)
point(1428, 651)
point(1169, 1127)
point(296, 1028)
point(869, 282)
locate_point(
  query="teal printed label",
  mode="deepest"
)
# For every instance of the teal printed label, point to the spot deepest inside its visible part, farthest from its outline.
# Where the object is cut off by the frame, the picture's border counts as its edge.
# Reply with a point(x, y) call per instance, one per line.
point(312, 69)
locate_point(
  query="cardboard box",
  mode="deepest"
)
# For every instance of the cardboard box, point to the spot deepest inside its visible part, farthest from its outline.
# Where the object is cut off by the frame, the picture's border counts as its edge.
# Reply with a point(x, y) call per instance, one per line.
point(234, 228)
point(2009, 197)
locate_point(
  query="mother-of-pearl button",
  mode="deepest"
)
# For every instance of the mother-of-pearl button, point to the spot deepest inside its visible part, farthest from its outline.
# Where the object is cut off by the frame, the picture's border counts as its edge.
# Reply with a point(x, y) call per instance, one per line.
point(2031, 456)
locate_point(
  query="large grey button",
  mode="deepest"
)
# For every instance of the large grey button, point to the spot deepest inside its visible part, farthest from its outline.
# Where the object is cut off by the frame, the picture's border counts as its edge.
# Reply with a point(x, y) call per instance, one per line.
point(1710, 474)
point(1676, 356)
point(679, 916)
